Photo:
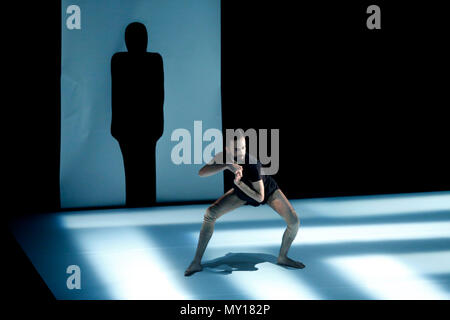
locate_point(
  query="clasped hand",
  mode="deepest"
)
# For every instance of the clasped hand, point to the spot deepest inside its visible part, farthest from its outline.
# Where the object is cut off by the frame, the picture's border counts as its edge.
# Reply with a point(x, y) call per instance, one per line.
point(237, 170)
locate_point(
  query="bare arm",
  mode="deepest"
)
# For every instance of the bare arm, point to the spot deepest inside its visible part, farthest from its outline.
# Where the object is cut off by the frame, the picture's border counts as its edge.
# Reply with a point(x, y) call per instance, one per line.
point(257, 193)
point(214, 166)
point(210, 169)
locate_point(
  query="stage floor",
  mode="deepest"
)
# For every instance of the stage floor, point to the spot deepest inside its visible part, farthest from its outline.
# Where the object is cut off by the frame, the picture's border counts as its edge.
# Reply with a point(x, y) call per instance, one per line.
point(371, 247)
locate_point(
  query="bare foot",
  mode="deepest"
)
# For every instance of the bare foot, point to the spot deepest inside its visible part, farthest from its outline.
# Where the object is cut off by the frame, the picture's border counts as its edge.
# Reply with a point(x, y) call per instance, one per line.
point(193, 268)
point(285, 261)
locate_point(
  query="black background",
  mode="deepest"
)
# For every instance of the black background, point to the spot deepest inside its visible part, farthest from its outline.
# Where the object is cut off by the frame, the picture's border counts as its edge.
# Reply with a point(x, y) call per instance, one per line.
point(359, 111)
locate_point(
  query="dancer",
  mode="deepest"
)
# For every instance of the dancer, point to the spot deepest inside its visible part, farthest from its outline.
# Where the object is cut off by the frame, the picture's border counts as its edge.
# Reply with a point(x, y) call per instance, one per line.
point(250, 188)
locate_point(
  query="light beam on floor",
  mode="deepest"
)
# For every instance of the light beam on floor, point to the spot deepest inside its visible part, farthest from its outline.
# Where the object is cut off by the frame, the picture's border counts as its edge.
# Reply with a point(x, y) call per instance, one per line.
point(332, 234)
point(386, 278)
point(129, 264)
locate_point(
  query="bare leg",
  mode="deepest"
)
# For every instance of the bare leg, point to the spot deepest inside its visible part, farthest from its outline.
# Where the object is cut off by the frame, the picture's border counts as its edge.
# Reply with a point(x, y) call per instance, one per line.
point(283, 207)
point(226, 203)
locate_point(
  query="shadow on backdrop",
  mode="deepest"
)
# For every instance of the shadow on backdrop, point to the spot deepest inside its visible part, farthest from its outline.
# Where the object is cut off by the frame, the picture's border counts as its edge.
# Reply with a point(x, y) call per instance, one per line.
point(137, 113)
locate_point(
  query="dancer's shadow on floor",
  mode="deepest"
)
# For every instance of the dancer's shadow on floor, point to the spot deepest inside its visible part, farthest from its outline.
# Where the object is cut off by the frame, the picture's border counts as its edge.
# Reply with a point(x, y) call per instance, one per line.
point(239, 262)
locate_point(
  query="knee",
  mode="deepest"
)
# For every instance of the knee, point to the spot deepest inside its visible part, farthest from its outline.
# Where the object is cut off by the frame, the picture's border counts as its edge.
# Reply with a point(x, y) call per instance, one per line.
point(293, 221)
point(210, 215)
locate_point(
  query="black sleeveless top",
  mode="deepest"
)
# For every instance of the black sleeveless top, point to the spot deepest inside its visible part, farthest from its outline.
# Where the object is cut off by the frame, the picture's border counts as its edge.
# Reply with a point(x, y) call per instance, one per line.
point(251, 173)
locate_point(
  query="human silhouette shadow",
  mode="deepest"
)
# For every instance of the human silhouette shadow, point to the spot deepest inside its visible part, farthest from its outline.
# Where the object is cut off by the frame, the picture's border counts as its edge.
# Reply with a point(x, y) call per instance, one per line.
point(239, 262)
point(137, 85)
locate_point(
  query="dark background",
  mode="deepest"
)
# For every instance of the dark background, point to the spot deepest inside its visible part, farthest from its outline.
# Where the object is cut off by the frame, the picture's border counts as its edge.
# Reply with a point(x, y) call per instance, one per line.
point(359, 111)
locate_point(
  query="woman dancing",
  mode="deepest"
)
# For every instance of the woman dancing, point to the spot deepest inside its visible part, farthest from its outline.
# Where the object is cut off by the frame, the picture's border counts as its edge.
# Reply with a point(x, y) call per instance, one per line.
point(250, 188)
